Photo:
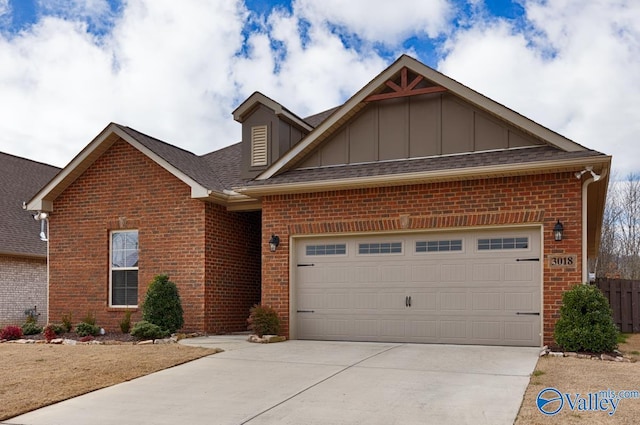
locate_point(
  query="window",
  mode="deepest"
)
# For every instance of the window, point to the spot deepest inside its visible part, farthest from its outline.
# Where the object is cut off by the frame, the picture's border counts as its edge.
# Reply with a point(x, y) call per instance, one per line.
point(380, 248)
point(503, 243)
point(259, 146)
point(333, 249)
point(124, 268)
point(439, 246)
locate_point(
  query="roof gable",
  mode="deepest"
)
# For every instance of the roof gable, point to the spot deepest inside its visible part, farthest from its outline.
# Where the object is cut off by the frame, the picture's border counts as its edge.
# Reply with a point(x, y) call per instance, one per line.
point(414, 78)
point(186, 166)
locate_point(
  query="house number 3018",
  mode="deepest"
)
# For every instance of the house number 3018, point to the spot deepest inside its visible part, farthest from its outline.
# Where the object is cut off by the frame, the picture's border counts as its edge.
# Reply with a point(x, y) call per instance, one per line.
point(563, 261)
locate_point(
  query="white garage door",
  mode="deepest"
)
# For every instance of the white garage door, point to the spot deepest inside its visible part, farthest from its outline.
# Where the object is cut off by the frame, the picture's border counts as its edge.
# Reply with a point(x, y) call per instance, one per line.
point(478, 287)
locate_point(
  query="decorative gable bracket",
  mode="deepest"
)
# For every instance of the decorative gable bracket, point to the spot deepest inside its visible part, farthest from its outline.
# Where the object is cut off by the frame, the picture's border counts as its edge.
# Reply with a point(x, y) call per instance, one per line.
point(405, 88)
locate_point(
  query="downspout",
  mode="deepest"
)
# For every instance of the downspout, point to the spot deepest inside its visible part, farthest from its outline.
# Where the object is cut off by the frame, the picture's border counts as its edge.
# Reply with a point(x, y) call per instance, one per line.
point(594, 177)
point(43, 218)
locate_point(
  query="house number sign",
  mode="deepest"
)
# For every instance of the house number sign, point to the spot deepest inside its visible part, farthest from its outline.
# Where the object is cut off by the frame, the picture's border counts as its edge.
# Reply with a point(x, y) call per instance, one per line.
point(562, 261)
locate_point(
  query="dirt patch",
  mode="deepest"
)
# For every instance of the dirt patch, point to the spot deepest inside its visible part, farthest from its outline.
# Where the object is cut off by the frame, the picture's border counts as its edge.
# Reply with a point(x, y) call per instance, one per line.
point(36, 375)
point(582, 376)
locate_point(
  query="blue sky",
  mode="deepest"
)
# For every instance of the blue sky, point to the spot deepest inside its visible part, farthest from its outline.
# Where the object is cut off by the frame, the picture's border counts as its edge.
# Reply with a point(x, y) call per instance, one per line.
point(176, 70)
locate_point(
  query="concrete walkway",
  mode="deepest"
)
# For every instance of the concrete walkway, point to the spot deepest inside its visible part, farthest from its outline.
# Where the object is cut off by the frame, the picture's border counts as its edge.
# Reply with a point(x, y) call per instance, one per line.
point(313, 382)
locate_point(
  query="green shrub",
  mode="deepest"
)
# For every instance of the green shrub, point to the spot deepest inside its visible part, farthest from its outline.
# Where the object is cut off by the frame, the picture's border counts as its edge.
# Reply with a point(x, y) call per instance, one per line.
point(586, 322)
point(84, 329)
point(57, 328)
point(147, 330)
point(263, 320)
point(125, 323)
point(67, 322)
point(162, 304)
point(31, 328)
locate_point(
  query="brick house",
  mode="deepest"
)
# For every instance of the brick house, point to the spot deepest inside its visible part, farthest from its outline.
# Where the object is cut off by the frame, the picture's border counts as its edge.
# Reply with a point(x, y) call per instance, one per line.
point(23, 255)
point(417, 211)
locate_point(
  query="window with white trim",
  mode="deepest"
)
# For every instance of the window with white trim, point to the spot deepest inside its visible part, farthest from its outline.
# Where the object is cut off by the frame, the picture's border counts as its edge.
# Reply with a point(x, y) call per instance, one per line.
point(123, 291)
point(503, 243)
point(439, 246)
point(259, 145)
point(380, 248)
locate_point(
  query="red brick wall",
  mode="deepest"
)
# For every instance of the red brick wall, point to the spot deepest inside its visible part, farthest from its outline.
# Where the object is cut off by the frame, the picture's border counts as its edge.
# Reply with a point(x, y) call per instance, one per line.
point(539, 199)
point(232, 276)
point(124, 189)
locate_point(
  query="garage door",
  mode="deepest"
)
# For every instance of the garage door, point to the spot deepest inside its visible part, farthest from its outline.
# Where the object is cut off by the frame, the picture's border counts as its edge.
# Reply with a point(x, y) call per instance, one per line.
point(478, 287)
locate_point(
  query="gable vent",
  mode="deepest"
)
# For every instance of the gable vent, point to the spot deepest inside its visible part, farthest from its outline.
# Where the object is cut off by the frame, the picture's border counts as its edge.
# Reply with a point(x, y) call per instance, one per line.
point(258, 145)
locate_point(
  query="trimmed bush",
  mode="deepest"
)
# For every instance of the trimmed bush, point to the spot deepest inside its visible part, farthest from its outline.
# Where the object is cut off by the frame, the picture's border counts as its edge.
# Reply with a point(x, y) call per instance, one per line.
point(50, 333)
point(586, 322)
point(31, 328)
point(147, 330)
point(84, 329)
point(263, 320)
point(162, 304)
point(10, 333)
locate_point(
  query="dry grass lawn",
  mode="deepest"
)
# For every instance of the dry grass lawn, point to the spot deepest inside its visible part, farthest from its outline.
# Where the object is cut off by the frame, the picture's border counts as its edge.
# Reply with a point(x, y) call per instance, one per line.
point(573, 375)
point(36, 375)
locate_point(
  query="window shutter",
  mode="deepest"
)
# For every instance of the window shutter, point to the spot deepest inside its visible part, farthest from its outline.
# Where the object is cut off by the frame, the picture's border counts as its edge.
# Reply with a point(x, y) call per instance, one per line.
point(258, 145)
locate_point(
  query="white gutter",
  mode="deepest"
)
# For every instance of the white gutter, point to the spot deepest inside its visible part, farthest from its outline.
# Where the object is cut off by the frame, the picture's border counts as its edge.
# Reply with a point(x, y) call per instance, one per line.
point(594, 177)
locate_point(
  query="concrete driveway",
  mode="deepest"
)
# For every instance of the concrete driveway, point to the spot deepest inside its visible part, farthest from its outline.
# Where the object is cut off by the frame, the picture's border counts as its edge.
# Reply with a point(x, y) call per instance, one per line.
point(313, 382)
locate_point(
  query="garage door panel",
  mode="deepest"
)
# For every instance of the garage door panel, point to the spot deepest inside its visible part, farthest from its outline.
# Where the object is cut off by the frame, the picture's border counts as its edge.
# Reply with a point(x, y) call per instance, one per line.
point(453, 329)
point(463, 294)
point(521, 301)
point(519, 271)
point(425, 273)
point(487, 301)
point(453, 301)
point(453, 273)
point(487, 272)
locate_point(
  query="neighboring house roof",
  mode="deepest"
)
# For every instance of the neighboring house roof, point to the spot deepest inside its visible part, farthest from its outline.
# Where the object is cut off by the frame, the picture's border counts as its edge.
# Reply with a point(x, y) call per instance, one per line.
point(20, 179)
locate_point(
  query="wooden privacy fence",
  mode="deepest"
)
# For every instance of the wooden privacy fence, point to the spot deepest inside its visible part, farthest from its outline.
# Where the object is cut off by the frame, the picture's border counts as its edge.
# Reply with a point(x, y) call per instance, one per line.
point(624, 298)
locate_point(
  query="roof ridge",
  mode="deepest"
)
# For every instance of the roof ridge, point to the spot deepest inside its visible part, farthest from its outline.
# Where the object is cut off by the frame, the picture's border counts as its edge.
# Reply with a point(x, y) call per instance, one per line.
point(30, 160)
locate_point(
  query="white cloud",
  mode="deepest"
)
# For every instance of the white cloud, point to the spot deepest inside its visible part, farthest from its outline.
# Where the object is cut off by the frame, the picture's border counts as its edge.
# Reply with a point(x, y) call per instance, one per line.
point(575, 69)
point(380, 20)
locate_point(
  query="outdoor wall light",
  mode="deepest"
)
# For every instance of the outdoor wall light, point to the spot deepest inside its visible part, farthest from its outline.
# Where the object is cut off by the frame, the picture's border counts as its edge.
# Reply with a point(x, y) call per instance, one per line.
point(274, 242)
point(558, 229)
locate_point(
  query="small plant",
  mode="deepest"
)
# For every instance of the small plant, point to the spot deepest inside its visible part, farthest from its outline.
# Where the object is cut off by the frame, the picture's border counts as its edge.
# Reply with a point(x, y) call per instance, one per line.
point(50, 333)
point(538, 372)
point(84, 329)
point(162, 304)
point(90, 318)
point(125, 323)
point(263, 320)
point(147, 330)
point(67, 322)
point(10, 333)
point(586, 322)
point(58, 328)
point(31, 328)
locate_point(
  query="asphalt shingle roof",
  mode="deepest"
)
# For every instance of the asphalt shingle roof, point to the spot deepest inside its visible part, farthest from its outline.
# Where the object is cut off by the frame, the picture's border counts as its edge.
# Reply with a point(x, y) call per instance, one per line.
point(452, 162)
point(20, 180)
